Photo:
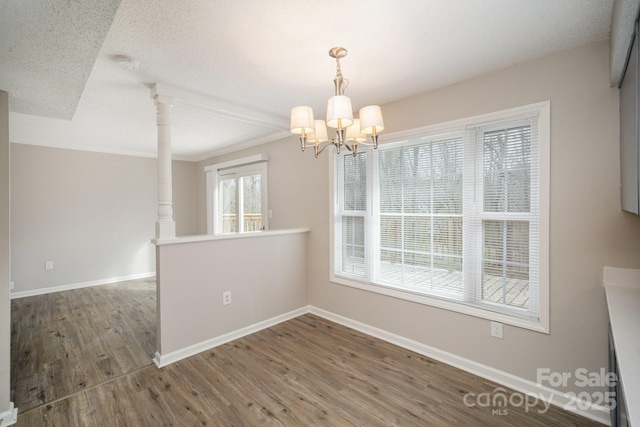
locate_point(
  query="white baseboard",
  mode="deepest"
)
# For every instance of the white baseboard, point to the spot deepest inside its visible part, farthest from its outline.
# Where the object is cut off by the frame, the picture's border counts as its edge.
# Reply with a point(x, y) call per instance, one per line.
point(557, 398)
point(108, 281)
point(595, 412)
point(166, 359)
point(9, 417)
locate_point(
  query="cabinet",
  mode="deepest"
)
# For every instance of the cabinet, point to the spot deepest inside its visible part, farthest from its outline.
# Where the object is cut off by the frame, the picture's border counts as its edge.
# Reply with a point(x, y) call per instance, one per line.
point(622, 289)
point(630, 130)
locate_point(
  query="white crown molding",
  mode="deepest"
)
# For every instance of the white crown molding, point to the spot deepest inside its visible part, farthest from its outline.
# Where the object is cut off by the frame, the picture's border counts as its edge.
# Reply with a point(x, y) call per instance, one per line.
point(219, 108)
point(90, 149)
point(241, 146)
point(133, 153)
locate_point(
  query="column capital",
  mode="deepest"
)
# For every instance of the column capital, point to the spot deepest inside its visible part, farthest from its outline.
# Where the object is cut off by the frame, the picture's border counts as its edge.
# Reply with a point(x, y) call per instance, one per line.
point(163, 100)
point(158, 96)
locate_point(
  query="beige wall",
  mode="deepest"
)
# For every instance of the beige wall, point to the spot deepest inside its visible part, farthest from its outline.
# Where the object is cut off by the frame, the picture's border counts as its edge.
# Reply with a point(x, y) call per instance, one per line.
point(266, 275)
point(588, 229)
point(291, 173)
point(185, 215)
point(92, 214)
point(5, 253)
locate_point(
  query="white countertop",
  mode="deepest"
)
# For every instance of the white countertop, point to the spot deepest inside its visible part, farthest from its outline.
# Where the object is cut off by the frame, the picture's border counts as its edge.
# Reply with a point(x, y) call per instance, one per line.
point(622, 287)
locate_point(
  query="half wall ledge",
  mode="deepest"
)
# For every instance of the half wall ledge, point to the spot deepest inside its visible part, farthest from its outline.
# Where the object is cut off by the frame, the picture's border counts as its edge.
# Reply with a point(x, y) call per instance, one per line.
point(208, 237)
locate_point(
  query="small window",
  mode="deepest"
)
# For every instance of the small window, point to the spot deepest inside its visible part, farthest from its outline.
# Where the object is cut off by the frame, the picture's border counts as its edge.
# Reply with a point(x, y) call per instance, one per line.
point(237, 196)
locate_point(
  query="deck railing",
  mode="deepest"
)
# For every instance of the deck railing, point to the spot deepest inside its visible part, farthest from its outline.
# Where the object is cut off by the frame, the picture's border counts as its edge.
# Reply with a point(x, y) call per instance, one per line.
point(252, 222)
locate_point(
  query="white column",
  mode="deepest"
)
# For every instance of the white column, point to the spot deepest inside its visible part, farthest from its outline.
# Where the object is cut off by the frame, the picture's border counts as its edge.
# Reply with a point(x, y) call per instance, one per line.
point(165, 226)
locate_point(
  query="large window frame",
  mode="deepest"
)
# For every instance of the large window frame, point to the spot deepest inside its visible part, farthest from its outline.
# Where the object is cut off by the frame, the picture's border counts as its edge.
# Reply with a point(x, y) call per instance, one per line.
point(536, 317)
point(237, 169)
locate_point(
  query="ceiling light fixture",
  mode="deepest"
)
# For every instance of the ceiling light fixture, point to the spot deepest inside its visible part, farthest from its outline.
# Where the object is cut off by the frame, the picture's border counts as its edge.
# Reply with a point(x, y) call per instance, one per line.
point(349, 131)
point(126, 62)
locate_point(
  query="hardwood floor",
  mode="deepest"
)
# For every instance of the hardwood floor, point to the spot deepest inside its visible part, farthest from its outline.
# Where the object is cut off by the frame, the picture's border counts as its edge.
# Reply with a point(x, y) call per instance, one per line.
point(64, 342)
point(306, 371)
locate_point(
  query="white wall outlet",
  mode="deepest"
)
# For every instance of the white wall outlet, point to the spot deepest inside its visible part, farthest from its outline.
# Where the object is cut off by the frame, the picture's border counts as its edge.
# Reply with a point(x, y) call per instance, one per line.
point(48, 265)
point(496, 329)
point(11, 285)
point(270, 214)
point(226, 298)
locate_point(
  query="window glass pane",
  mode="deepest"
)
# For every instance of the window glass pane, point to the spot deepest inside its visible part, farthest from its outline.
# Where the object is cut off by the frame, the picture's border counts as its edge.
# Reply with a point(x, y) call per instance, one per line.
point(446, 176)
point(229, 205)
point(505, 266)
point(355, 182)
point(353, 245)
point(252, 202)
point(420, 245)
point(416, 174)
point(417, 232)
point(390, 163)
point(447, 236)
point(507, 170)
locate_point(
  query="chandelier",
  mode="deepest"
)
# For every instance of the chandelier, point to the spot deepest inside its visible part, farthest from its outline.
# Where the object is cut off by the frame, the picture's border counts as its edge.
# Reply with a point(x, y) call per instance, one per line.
point(349, 131)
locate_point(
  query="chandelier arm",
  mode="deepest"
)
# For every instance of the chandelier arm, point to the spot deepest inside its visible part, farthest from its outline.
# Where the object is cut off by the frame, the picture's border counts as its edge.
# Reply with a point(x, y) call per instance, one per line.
point(352, 148)
point(318, 150)
point(299, 120)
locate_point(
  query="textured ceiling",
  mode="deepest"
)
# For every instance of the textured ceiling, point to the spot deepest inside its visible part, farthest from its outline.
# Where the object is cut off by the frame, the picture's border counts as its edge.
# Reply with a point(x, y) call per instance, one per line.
point(264, 56)
point(47, 52)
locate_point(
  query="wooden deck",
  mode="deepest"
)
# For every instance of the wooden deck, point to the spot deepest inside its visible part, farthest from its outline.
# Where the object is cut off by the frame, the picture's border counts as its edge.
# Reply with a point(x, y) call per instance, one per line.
point(512, 292)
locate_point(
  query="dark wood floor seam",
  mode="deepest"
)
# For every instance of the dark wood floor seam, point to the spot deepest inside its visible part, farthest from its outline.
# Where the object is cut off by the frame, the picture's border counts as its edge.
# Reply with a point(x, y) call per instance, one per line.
point(68, 396)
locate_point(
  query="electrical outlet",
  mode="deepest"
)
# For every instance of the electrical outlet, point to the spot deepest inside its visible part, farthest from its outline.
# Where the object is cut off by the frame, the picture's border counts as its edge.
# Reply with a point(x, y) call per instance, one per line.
point(496, 329)
point(11, 285)
point(226, 298)
point(48, 265)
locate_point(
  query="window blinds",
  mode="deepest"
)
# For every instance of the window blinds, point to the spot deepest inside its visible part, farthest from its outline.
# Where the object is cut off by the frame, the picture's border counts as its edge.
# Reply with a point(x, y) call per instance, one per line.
point(352, 208)
point(420, 215)
point(454, 216)
point(507, 193)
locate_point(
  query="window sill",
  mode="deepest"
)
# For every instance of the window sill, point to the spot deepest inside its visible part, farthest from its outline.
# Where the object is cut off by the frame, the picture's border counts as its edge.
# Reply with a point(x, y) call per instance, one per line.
point(537, 326)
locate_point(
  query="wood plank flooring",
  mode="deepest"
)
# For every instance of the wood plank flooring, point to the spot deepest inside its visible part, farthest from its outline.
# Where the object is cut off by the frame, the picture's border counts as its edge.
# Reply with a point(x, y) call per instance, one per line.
point(64, 342)
point(306, 371)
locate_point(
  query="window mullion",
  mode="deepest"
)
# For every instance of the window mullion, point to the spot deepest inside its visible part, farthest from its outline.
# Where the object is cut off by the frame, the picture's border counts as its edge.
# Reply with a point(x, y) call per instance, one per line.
point(372, 218)
point(338, 204)
point(470, 220)
point(239, 205)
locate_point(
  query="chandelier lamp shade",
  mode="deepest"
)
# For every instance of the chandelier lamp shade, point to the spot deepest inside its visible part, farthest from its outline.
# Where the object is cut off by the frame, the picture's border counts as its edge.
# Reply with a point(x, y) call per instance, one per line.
point(349, 131)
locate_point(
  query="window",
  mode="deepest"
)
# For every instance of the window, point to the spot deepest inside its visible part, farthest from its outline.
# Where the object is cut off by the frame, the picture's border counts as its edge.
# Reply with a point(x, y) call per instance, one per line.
point(237, 196)
point(453, 216)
